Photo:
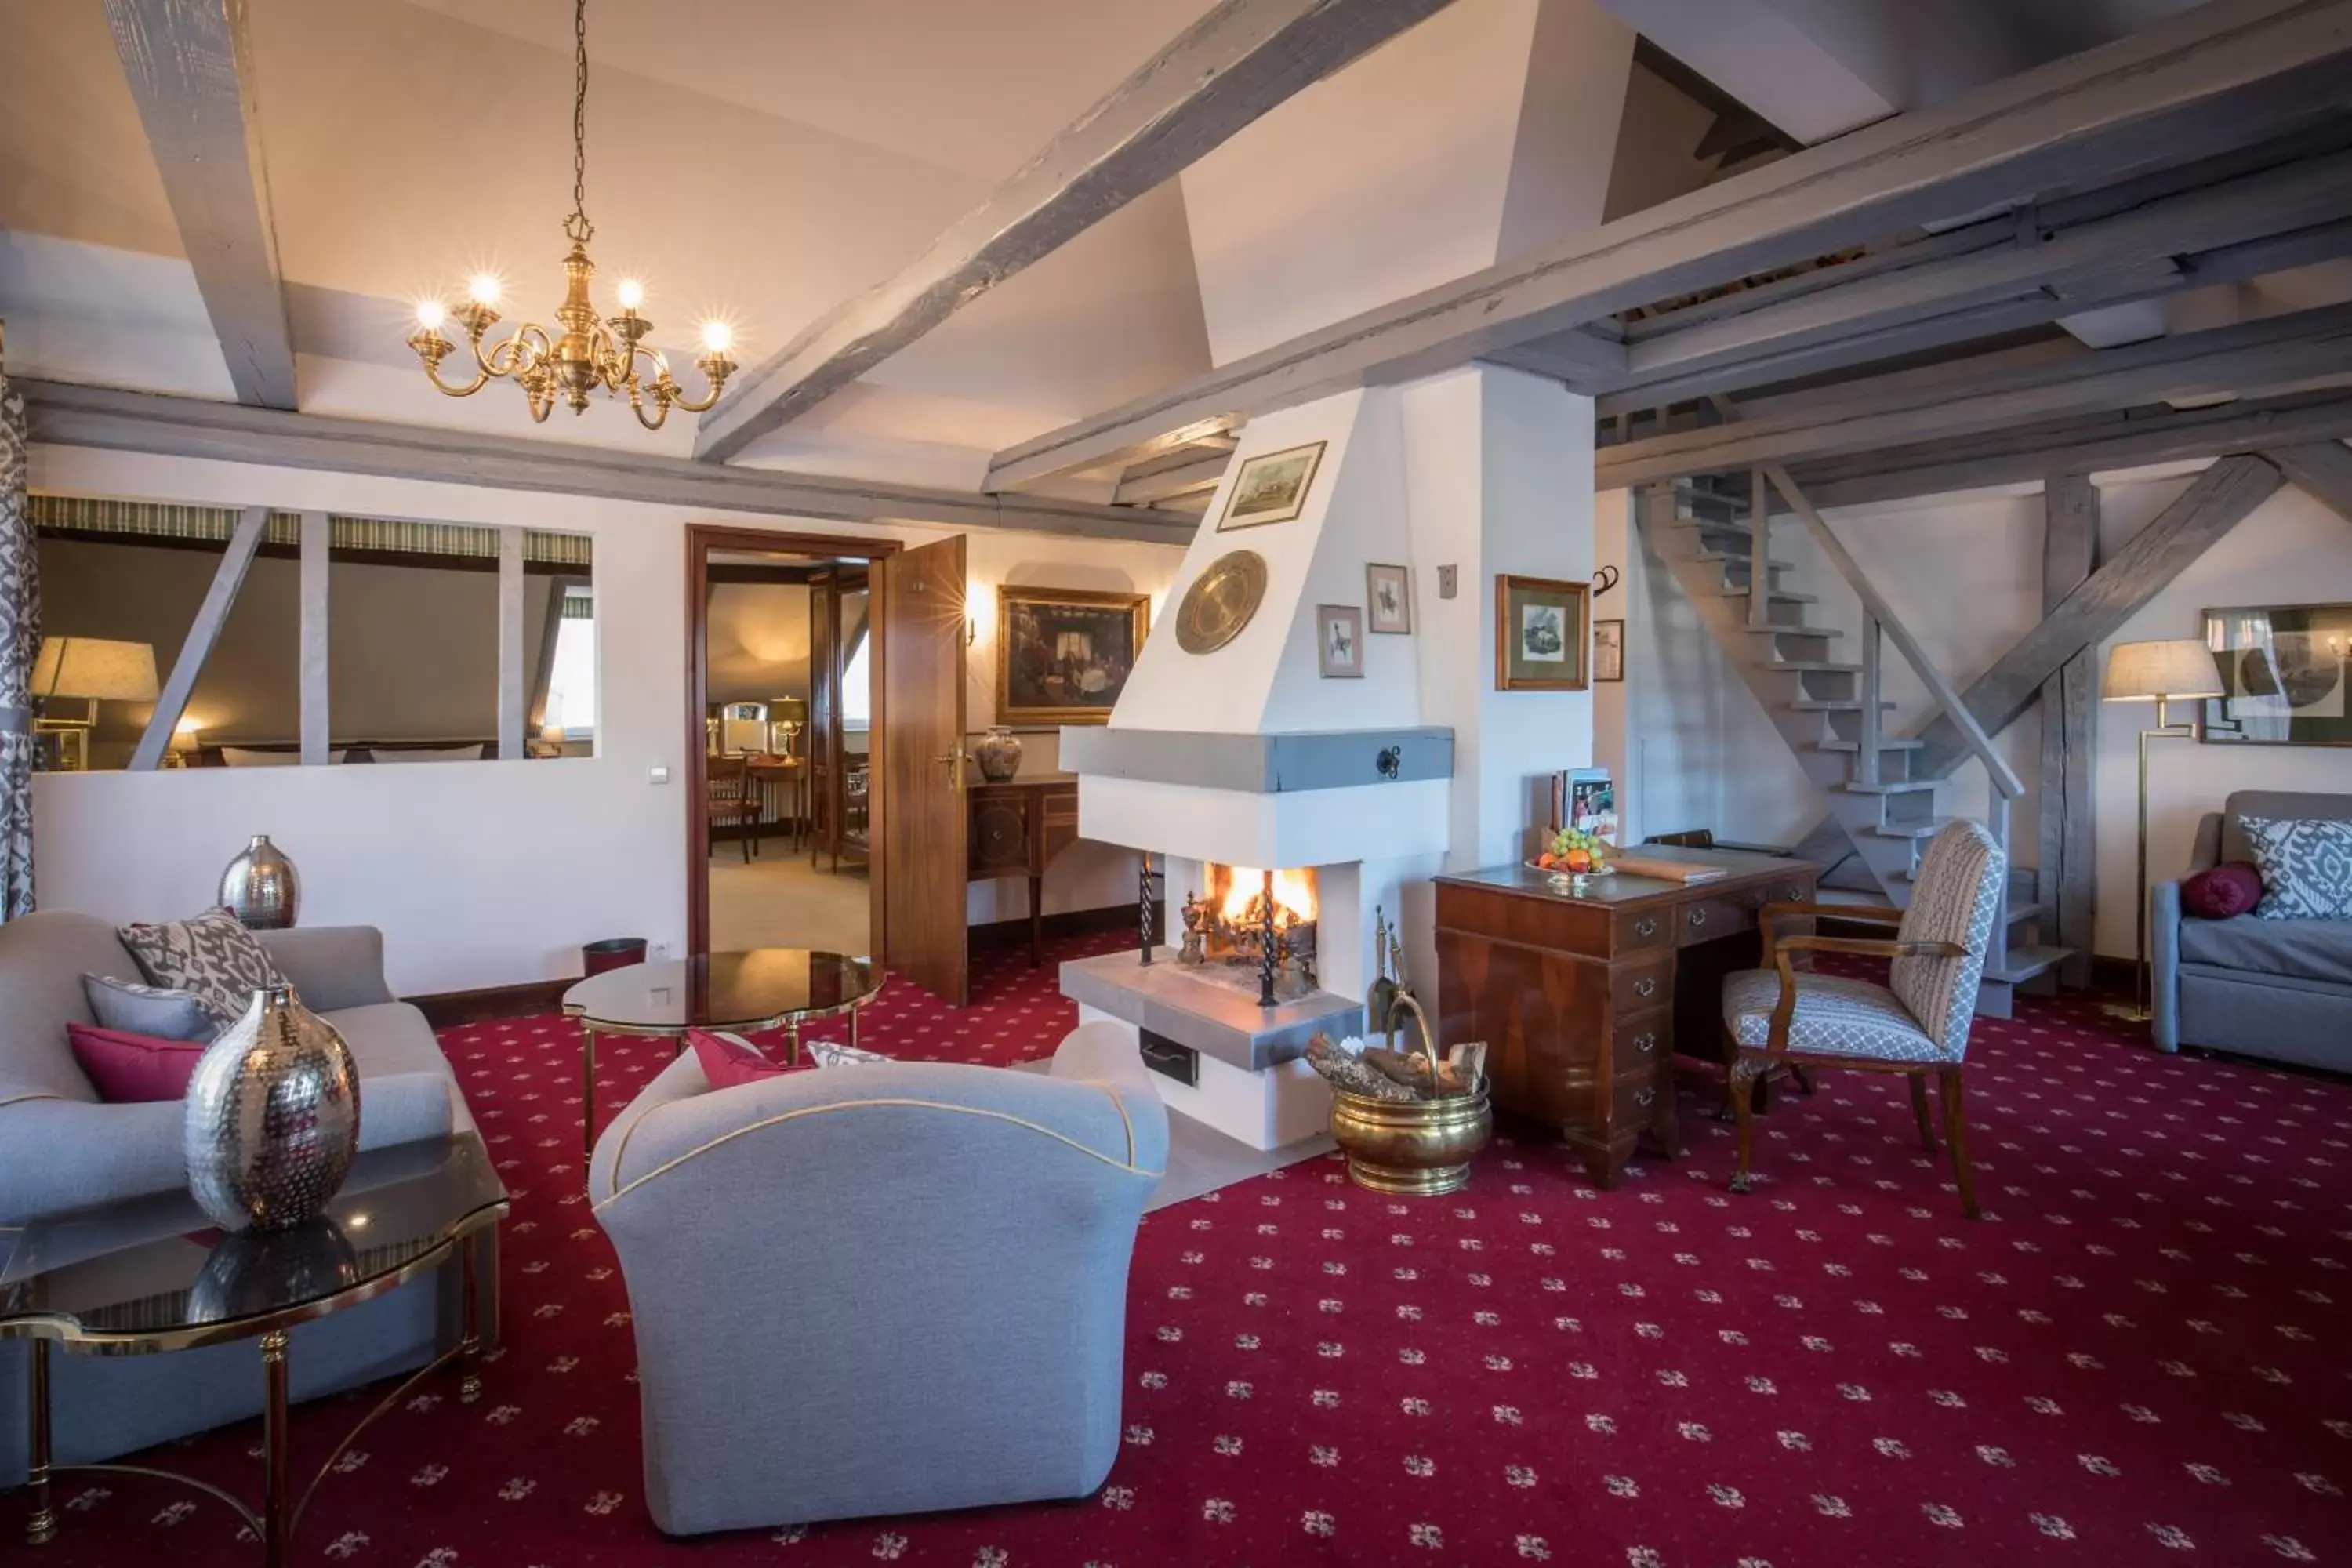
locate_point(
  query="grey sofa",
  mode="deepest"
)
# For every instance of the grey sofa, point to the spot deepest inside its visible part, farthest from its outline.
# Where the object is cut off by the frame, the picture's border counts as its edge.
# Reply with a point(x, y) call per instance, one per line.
point(2276, 989)
point(880, 1290)
point(61, 1150)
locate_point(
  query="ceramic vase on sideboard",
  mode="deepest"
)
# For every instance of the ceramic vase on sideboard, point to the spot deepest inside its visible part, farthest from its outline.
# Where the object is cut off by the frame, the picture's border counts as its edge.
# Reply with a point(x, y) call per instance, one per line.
point(999, 752)
point(272, 1118)
point(260, 887)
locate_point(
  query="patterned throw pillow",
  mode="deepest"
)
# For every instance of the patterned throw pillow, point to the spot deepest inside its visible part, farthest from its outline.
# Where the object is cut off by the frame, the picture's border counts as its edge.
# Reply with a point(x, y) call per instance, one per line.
point(826, 1054)
point(135, 1009)
point(212, 957)
point(2305, 867)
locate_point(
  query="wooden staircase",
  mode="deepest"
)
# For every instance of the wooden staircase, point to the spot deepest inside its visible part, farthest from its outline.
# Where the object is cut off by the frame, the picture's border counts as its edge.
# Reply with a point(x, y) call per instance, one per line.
point(1824, 700)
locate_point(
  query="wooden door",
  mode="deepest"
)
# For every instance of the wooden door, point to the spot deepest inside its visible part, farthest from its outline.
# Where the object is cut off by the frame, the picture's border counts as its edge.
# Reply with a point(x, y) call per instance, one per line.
point(918, 614)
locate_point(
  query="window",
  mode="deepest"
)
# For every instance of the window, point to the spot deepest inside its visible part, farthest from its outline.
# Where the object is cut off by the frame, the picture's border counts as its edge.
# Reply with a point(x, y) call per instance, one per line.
point(572, 677)
point(857, 687)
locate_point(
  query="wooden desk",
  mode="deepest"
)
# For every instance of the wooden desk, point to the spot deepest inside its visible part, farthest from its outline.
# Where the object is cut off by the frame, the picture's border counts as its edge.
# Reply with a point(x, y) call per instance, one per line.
point(1016, 830)
point(1584, 998)
point(793, 774)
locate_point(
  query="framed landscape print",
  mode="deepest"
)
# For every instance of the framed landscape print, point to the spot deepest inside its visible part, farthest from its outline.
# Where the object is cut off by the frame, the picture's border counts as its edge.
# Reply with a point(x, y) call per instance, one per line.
point(1339, 642)
point(1388, 590)
point(1063, 657)
point(1608, 650)
point(1541, 634)
point(1271, 488)
point(2283, 671)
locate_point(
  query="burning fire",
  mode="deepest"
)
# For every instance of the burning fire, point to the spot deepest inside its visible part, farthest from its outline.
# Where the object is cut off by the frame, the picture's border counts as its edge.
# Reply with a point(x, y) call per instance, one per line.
point(1294, 895)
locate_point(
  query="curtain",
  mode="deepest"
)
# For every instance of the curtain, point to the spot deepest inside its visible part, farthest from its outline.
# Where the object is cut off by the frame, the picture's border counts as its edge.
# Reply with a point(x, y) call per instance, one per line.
point(20, 645)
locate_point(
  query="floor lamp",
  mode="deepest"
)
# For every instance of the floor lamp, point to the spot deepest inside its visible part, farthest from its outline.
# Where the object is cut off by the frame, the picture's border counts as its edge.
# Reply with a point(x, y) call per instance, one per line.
point(2177, 671)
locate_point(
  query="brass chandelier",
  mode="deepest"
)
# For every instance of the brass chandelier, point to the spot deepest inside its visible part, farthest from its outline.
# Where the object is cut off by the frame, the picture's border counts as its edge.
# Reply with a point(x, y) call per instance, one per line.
point(587, 353)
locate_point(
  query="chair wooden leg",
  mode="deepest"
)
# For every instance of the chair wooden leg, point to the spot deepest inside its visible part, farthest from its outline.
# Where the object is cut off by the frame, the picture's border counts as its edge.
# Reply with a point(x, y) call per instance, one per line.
point(1745, 1070)
point(1956, 1135)
point(1919, 1109)
point(1805, 1080)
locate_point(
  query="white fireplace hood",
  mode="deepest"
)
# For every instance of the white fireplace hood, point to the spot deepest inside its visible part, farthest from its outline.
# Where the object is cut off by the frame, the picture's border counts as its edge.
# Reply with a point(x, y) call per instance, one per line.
point(1247, 755)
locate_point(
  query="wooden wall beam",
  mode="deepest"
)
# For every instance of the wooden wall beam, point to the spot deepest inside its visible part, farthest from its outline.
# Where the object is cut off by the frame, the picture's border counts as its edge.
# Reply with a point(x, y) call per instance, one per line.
point(189, 67)
point(2218, 500)
point(198, 646)
point(2321, 469)
point(2224, 75)
point(2069, 872)
point(317, 721)
point(68, 416)
point(1968, 398)
point(1171, 481)
point(1216, 77)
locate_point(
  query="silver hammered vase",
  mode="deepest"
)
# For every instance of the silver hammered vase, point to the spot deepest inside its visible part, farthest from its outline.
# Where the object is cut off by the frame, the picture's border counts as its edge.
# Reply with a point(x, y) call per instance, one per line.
point(272, 1117)
point(260, 887)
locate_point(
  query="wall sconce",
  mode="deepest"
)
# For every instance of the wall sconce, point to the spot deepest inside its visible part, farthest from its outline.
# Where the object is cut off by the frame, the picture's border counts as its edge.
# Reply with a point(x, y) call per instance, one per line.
point(979, 608)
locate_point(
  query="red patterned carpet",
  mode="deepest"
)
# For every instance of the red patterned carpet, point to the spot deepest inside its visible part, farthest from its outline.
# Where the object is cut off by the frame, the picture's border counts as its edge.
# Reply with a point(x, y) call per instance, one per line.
point(2142, 1357)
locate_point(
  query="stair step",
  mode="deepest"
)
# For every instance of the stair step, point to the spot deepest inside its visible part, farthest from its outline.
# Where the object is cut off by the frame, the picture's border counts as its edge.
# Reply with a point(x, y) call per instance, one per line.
point(1829, 705)
point(2019, 913)
point(1796, 631)
point(1812, 666)
point(1775, 595)
point(1888, 787)
point(1885, 743)
point(1926, 827)
point(2025, 962)
point(1743, 558)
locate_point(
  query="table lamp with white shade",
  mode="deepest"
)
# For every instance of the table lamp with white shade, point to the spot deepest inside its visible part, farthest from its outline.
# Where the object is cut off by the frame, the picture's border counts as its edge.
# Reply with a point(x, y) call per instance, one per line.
point(2177, 669)
point(93, 670)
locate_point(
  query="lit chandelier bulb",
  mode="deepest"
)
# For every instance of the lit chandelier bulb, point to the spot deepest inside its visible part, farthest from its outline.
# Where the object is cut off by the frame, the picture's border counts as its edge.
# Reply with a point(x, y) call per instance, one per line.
point(717, 336)
point(430, 315)
point(632, 293)
point(483, 289)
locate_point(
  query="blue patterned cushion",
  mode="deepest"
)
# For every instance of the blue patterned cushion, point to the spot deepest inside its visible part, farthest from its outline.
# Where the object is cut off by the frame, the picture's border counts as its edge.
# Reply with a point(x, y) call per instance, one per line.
point(1954, 899)
point(1834, 1018)
point(2307, 868)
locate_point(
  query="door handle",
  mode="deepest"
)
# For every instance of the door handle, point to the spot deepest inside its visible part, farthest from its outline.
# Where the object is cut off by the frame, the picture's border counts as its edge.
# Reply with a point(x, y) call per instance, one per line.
point(953, 763)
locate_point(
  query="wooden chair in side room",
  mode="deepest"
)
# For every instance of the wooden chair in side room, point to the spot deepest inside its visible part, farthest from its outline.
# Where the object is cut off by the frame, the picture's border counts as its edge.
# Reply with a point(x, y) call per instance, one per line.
point(733, 800)
point(1917, 1024)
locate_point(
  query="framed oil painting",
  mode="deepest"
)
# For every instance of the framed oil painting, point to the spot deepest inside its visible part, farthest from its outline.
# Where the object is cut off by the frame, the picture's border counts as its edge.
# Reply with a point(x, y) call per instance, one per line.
point(1541, 634)
point(2285, 671)
point(1063, 657)
point(1388, 590)
point(1339, 642)
point(1271, 488)
point(1608, 650)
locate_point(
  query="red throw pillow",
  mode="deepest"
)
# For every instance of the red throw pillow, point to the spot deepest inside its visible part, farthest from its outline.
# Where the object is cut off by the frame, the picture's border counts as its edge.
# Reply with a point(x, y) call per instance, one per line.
point(128, 1068)
point(727, 1064)
point(2233, 887)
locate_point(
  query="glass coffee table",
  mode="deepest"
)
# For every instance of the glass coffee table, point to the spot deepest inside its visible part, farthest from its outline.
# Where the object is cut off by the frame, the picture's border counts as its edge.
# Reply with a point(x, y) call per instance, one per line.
point(743, 993)
point(149, 1276)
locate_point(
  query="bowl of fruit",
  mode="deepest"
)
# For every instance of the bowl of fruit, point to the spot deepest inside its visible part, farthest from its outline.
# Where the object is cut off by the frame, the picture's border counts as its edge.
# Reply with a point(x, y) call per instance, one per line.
point(1573, 857)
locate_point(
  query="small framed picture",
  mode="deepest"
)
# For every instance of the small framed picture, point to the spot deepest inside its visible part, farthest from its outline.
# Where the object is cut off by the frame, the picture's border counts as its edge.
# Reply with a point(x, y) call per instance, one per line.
point(1339, 642)
point(1271, 488)
point(1608, 650)
point(1541, 634)
point(1389, 592)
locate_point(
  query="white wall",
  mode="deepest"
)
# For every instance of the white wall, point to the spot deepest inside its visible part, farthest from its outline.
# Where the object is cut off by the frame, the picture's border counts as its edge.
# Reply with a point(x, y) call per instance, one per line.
point(480, 874)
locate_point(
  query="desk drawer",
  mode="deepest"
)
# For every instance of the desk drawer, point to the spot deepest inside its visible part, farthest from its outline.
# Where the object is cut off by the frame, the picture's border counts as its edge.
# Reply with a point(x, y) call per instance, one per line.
point(1638, 985)
point(1634, 1103)
point(1704, 920)
point(1640, 1042)
point(1642, 931)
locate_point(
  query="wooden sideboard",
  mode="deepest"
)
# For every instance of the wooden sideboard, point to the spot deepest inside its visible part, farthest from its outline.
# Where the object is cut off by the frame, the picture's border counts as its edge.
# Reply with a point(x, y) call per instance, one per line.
point(1016, 830)
point(1584, 998)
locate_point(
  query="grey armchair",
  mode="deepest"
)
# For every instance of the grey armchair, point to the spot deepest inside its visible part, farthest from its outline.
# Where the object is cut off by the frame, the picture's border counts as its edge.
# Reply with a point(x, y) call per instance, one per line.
point(2281, 990)
point(879, 1290)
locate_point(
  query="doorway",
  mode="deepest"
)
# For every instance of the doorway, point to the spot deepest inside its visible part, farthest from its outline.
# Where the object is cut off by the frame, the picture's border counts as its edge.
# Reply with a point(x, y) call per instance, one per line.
point(783, 791)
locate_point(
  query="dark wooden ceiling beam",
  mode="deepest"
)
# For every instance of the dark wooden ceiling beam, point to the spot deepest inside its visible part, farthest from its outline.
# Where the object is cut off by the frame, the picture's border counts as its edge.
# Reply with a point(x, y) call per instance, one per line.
point(1219, 75)
point(2227, 74)
point(190, 67)
point(67, 416)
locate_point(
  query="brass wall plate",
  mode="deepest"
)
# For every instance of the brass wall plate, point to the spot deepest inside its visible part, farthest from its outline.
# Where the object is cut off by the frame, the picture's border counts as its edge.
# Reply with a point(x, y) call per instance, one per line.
point(1221, 601)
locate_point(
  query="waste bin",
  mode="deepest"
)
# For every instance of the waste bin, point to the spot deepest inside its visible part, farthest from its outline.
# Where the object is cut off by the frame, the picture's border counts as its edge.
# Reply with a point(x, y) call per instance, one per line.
point(612, 953)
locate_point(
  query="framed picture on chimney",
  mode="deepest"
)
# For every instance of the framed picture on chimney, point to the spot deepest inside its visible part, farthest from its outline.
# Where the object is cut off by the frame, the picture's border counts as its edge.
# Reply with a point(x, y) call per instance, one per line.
point(1063, 657)
point(1541, 634)
point(1339, 642)
point(1389, 592)
point(1271, 488)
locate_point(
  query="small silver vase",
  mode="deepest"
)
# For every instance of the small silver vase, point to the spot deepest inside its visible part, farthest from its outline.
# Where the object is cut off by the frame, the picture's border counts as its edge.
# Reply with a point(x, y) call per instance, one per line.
point(260, 887)
point(273, 1117)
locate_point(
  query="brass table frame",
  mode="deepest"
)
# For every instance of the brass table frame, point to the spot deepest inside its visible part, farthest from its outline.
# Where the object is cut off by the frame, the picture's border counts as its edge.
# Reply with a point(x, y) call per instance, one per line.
point(675, 1034)
point(281, 1511)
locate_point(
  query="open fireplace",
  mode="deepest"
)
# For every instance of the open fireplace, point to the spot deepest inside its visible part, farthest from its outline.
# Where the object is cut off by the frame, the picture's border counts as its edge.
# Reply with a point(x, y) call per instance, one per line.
point(1254, 929)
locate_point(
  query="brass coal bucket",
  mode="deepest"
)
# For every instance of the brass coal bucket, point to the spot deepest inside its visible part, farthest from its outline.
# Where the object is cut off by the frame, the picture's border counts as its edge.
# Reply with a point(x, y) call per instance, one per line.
point(1421, 1147)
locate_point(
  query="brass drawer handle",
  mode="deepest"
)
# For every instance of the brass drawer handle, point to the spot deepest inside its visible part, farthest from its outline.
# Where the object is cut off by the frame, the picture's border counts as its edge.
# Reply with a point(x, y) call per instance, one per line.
point(1697, 918)
point(1794, 895)
point(1645, 1044)
point(1645, 928)
point(1645, 988)
point(1643, 1097)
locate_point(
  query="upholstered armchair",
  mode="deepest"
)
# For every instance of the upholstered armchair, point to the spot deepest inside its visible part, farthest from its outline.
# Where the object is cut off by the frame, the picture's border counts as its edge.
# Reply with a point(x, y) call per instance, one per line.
point(880, 1288)
point(1917, 1024)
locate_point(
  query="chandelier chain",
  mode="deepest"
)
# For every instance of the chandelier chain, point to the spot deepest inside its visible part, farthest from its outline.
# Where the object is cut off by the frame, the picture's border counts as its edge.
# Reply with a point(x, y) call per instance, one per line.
point(577, 226)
